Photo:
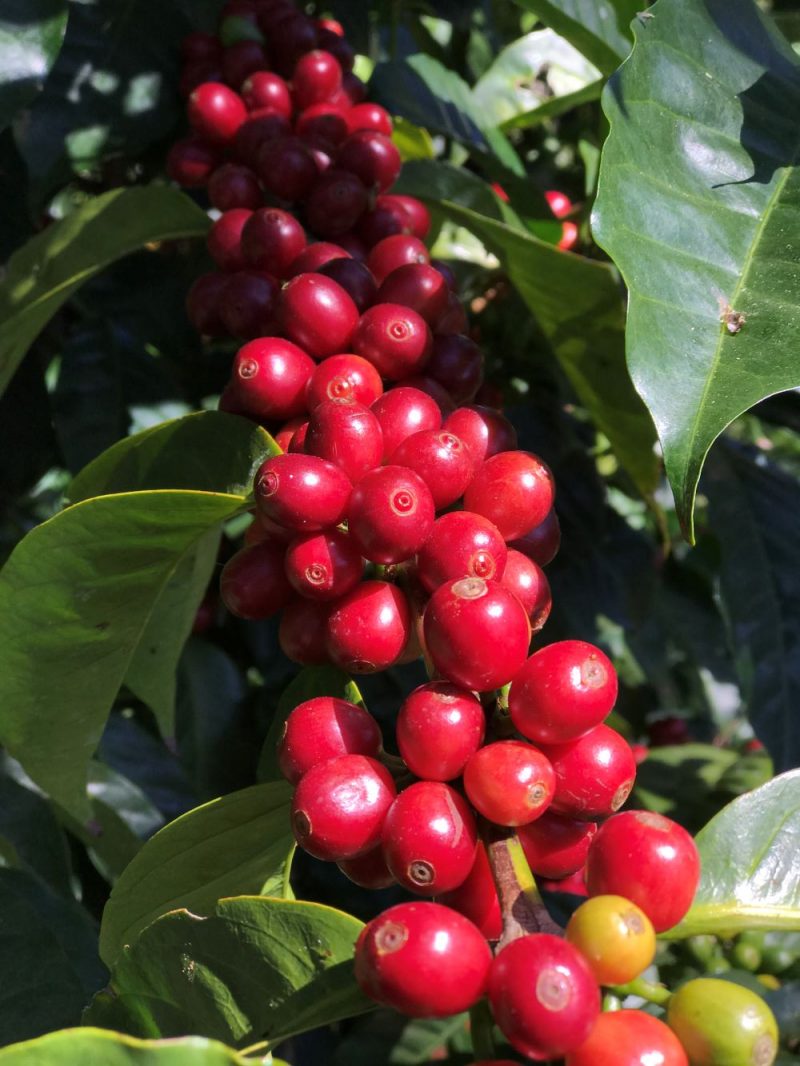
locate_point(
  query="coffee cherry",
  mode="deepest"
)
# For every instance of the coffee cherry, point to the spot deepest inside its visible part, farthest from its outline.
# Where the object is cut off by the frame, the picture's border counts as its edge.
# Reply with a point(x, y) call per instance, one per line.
point(441, 459)
point(216, 112)
point(342, 51)
point(476, 632)
point(271, 240)
point(368, 628)
point(316, 78)
point(355, 279)
point(339, 807)
point(269, 378)
point(391, 514)
point(324, 728)
point(323, 566)
point(543, 996)
point(298, 442)
point(629, 1038)
point(422, 959)
point(234, 186)
point(720, 1023)
point(453, 320)
point(615, 937)
point(302, 492)
point(264, 89)
point(303, 631)
point(289, 39)
point(287, 168)
point(324, 124)
point(402, 412)
point(347, 434)
point(514, 490)
point(335, 203)
point(346, 378)
point(394, 214)
point(205, 70)
point(461, 545)
point(429, 838)
point(439, 726)
point(418, 286)
point(203, 304)
point(394, 252)
point(372, 157)
point(457, 363)
point(509, 782)
point(369, 116)
point(541, 543)
point(261, 129)
point(247, 304)
point(317, 314)
point(368, 870)
point(191, 162)
point(528, 583)
point(253, 583)
point(224, 239)
point(395, 339)
point(594, 774)
point(574, 885)
point(476, 898)
point(314, 256)
point(485, 431)
point(650, 860)
point(555, 846)
point(241, 59)
point(562, 691)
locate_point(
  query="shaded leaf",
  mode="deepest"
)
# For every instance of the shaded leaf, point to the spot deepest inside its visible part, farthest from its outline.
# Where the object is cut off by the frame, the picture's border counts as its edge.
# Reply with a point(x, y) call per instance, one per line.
point(236, 845)
point(599, 29)
point(389, 1037)
point(99, 1047)
point(31, 32)
point(679, 781)
point(28, 823)
point(699, 205)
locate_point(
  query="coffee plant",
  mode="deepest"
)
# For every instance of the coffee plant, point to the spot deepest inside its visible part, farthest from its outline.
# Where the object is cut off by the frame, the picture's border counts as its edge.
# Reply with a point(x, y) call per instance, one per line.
point(399, 612)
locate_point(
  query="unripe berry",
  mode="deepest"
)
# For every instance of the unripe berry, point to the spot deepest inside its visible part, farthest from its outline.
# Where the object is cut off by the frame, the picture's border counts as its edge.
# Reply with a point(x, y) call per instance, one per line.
point(615, 937)
point(439, 726)
point(512, 489)
point(461, 545)
point(324, 728)
point(719, 1022)
point(391, 514)
point(369, 627)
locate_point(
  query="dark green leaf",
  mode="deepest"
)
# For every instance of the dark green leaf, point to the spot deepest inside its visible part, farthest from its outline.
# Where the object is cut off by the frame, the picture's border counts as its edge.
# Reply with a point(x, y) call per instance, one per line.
point(235, 845)
point(599, 29)
point(255, 968)
point(679, 781)
point(28, 823)
point(99, 1047)
point(52, 265)
point(750, 864)
point(75, 598)
point(389, 1037)
point(698, 205)
point(31, 32)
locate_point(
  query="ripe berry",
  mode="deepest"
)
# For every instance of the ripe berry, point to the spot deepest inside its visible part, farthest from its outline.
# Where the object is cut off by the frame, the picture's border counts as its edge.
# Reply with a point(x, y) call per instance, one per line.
point(391, 514)
point(457, 363)
point(323, 728)
point(439, 727)
point(394, 252)
point(394, 214)
point(290, 38)
point(216, 112)
point(422, 959)
point(371, 157)
point(369, 116)
point(354, 278)
point(287, 168)
point(485, 431)
point(395, 339)
point(324, 123)
point(302, 492)
point(232, 186)
point(429, 838)
point(323, 566)
point(195, 74)
point(264, 89)
point(418, 286)
point(344, 377)
point(203, 304)
point(476, 632)
point(719, 1022)
point(403, 411)
point(191, 162)
point(476, 898)
point(346, 433)
point(369, 627)
point(461, 545)
point(335, 203)
point(241, 59)
point(339, 807)
point(562, 691)
point(441, 459)
point(555, 846)
point(247, 304)
point(316, 78)
point(317, 314)
point(453, 319)
point(629, 1038)
point(541, 543)
point(528, 583)
point(303, 631)
point(368, 870)
point(509, 782)
point(514, 490)
point(594, 774)
point(615, 937)
point(269, 378)
point(271, 240)
point(253, 583)
point(649, 859)
point(543, 996)
point(224, 239)
point(314, 256)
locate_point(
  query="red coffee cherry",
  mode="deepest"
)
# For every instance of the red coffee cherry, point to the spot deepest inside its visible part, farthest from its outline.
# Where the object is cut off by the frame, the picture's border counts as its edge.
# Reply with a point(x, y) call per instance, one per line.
point(395, 339)
point(429, 838)
point(554, 846)
point(263, 89)
point(247, 304)
point(439, 727)
point(373, 158)
point(224, 239)
point(287, 168)
point(323, 728)
point(317, 314)
point(241, 59)
point(302, 492)
point(323, 566)
point(402, 412)
point(453, 319)
point(347, 434)
point(314, 256)
point(514, 490)
point(369, 116)
point(298, 442)
point(476, 898)
point(316, 78)
point(477, 633)
point(271, 240)
point(594, 774)
point(422, 959)
point(394, 214)
point(216, 112)
point(391, 514)
point(253, 583)
point(353, 89)
point(234, 186)
point(543, 996)
point(347, 378)
point(528, 583)
point(343, 53)
point(269, 378)
point(191, 162)
point(303, 632)
point(541, 543)
point(629, 1038)
point(484, 430)
point(368, 870)
point(324, 123)
point(394, 252)
point(650, 860)
point(197, 74)
point(369, 627)
point(441, 459)
point(355, 279)
point(509, 782)
point(290, 38)
point(457, 363)
point(203, 304)
point(335, 203)
point(562, 691)
point(262, 128)
point(418, 286)
point(339, 807)
point(461, 544)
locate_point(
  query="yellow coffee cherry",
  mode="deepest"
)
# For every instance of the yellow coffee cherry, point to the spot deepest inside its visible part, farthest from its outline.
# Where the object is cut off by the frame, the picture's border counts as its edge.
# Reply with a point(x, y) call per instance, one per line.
point(615, 936)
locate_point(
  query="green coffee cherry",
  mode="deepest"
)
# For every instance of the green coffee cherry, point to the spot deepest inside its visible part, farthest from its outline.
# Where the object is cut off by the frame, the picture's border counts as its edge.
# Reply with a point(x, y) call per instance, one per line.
point(746, 956)
point(723, 1024)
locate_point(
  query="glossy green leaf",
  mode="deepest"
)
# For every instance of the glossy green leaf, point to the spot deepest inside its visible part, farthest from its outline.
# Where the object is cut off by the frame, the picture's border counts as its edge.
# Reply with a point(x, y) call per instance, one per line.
point(75, 598)
point(599, 29)
point(254, 969)
point(99, 1047)
point(578, 305)
point(236, 845)
point(699, 206)
point(31, 32)
point(750, 863)
point(47, 270)
point(679, 781)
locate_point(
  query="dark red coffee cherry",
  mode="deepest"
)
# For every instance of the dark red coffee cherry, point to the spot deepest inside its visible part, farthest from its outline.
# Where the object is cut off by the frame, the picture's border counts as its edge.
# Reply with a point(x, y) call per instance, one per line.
point(354, 278)
point(462, 544)
point(324, 123)
point(303, 632)
point(241, 59)
point(433, 389)
point(417, 215)
point(430, 838)
point(394, 252)
point(216, 112)
point(439, 727)
point(253, 583)
point(529, 584)
point(260, 130)
point(541, 543)
point(283, 436)
point(269, 378)
point(543, 995)
point(340, 805)
point(205, 70)
point(302, 492)
point(344, 377)
point(191, 162)
point(317, 314)
point(447, 272)
point(203, 304)
point(271, 240)
point(323, 566)
point(391, 514)
point(353, 246)
point(289, 39)
point(287, 168)
point(509, 782)
point(314, 256)
point(369, 116)
point(402, 412)
point(372, 157)
point(394, 214)
point(562, 691)
point(323, 728)
point(341, 50)
point(555, 846)
point(224, 239)
point(298, 442)
point(369, 627)
point(347, 434)
point(368, 870)
point(594, 774)
point(457, 363)
point(441, 459)
point(232, 186)
point(514, 490)
point(247, 304)
point(396, 340)
point(353, 90)
point(263, 89)
point(336, 202)
point(422, 959)
point(316, 78)
point(418, 286)
point(476, 898)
